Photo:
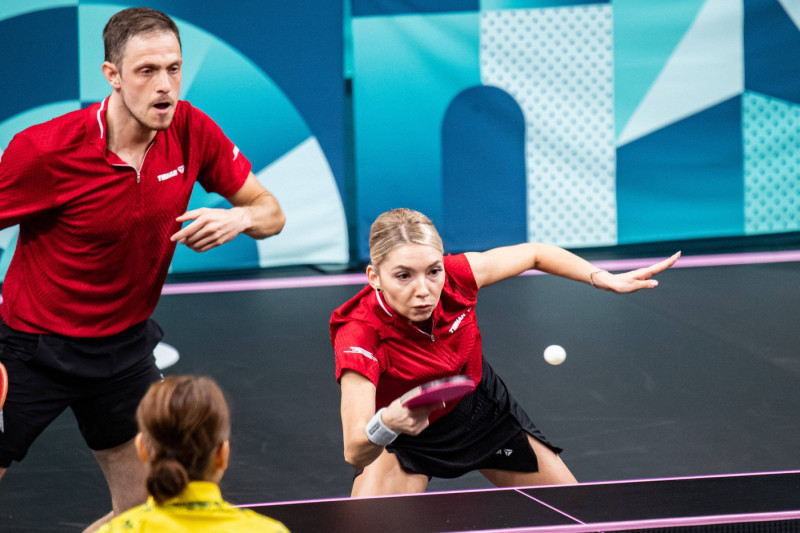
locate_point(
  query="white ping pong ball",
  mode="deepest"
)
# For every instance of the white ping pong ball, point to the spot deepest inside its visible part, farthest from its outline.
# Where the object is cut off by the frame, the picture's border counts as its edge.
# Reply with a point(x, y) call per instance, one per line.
point(555, 354)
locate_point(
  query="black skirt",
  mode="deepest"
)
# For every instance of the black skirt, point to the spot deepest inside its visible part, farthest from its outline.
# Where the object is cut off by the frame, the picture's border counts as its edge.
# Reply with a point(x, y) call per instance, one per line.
point(487, 429)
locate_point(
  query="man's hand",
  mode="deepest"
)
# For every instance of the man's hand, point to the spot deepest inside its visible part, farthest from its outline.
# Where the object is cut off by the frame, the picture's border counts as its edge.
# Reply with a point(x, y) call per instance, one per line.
point(211, 227)
point(255, 212)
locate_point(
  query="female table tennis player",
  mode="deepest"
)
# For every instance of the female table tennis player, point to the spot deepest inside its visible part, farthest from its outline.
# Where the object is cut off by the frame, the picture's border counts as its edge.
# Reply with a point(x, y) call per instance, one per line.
point(415, 322)
point(184, 424)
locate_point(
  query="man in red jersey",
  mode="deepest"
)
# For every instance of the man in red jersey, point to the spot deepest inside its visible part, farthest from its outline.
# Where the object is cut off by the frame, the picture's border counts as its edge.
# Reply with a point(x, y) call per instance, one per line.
point(100, 195)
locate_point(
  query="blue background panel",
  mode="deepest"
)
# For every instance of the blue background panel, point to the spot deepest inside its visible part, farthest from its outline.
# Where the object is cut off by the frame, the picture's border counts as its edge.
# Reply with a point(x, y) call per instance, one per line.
point(772, 65)
point(684, 181)
point(483, 171)
point(34, 71)
point(361, 8)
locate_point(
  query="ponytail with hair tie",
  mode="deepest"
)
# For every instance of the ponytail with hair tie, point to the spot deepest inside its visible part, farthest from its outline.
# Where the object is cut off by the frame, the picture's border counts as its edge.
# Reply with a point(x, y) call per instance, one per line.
point(183, 420)
point(167, 478)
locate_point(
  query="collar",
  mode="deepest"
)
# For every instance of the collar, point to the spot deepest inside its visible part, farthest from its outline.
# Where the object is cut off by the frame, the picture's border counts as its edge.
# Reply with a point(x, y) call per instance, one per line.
point(97, 129)
point(96, 125)
point(383, 304)
point(195, 492)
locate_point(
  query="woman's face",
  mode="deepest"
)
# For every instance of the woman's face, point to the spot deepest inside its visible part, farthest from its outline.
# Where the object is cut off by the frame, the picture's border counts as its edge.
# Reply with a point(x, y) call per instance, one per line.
point(410, 278)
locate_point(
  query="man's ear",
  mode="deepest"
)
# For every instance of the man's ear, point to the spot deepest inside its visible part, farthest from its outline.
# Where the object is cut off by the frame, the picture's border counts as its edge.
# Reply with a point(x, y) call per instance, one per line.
point(111, 74)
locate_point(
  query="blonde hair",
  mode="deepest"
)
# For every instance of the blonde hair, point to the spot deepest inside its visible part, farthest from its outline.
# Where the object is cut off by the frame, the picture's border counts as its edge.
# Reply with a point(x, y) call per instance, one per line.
point(398, 227)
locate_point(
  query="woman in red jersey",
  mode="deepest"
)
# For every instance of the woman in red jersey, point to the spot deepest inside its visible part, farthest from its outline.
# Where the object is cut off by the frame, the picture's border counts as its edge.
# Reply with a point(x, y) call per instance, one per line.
point(415, 322)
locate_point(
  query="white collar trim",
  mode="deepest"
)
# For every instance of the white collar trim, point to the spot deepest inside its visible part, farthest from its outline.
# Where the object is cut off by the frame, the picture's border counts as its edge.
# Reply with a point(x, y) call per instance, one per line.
point(100, 118)
point(380, 301)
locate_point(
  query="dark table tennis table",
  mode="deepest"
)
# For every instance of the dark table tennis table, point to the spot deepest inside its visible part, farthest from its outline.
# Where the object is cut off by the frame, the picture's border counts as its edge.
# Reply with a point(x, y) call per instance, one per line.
point(738, 502)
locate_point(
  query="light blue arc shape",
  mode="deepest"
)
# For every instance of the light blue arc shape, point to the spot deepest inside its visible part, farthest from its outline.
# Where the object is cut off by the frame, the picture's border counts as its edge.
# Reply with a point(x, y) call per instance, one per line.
point(10, 9)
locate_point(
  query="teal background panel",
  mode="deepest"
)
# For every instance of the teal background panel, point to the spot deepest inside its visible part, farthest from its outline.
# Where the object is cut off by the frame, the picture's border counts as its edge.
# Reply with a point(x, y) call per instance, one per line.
point(407, 70)
point(684, 181)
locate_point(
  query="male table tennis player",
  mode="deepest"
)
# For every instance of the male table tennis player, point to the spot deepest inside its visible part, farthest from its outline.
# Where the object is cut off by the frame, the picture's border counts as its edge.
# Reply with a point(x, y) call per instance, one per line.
point(100, 195)
point(415, 322)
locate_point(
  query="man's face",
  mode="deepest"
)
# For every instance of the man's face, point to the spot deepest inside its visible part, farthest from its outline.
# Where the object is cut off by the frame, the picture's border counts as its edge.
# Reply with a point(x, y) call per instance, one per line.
point(150, 78)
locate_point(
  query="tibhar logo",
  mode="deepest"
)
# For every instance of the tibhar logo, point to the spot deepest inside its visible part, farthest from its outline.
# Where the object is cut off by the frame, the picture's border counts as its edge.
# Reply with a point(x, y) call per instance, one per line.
point(171, 174)
point(458, 321)
point(504, 451)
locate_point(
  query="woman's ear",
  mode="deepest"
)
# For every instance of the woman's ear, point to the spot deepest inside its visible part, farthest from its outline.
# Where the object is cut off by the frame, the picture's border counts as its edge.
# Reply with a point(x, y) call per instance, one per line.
point(372, 277)
point(222, 455)
point(141, 450)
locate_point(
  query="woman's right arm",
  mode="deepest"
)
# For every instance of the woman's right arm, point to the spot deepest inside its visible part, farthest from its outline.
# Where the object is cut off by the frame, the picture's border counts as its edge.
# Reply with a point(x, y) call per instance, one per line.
point(358, 408)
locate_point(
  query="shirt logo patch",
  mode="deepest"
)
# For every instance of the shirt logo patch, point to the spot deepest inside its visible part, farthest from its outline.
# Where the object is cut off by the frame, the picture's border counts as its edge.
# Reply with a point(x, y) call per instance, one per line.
point(235, 152)
point(457, 323)
point(361, 351)
point(171, 173)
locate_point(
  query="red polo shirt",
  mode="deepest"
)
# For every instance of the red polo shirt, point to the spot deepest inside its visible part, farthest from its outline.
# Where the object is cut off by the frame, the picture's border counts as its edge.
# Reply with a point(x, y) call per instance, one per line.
point(94, 243)
point(390, 351)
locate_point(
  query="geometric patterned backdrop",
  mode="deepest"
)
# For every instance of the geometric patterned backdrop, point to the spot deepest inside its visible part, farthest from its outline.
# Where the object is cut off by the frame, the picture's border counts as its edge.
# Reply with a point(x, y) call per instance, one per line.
point(643, 121)
point(573, 122)
point(558, 66)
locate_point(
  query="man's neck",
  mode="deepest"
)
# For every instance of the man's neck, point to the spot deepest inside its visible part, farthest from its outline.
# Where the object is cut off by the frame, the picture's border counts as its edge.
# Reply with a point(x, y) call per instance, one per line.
point(125, 136)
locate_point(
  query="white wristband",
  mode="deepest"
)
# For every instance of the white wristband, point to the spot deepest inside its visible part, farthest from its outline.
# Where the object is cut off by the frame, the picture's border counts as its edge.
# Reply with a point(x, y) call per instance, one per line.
point(377, 432)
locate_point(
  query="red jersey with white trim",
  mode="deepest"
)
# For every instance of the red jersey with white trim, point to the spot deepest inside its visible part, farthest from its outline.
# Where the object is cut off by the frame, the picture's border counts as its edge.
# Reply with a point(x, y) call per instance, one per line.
point(396, 356)
point(94, 242)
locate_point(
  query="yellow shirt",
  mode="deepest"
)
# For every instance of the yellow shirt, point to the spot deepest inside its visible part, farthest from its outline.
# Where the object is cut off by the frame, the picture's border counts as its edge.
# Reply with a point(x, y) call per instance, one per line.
point(199, 508)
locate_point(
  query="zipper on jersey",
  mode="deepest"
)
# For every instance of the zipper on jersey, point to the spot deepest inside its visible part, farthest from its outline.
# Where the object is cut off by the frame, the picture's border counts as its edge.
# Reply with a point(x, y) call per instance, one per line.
point(433, 339)
point(126, 165)
point(137, 170)
point(144, 158)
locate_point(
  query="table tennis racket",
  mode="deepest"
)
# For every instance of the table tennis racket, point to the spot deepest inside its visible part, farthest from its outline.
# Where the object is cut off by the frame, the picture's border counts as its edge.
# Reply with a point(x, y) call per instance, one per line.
point(3, 385)
point(438, 391)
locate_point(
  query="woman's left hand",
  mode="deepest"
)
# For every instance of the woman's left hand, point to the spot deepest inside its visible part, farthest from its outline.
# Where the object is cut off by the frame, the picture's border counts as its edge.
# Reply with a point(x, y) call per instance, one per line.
point(634, 280)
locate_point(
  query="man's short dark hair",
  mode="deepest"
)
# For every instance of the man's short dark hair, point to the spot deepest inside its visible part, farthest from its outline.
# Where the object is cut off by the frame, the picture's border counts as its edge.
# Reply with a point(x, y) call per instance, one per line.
point(130, 23)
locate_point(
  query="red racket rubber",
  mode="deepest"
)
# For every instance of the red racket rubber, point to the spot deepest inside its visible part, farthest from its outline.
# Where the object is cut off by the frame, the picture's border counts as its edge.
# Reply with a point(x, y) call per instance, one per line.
point(438, 391)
